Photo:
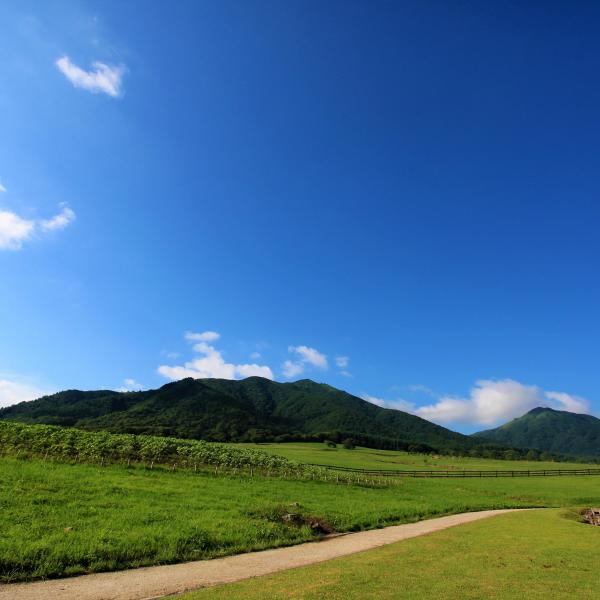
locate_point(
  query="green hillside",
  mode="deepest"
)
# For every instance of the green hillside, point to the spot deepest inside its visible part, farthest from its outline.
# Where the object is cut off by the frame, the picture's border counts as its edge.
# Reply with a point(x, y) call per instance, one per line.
point(550, 430)
point(250, 410)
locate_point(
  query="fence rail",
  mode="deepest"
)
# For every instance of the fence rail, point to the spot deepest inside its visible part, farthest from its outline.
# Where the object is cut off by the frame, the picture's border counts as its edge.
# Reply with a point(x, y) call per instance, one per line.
point(466, 473)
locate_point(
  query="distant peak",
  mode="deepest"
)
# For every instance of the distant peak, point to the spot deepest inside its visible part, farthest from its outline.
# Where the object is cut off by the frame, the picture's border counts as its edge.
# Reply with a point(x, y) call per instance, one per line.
point(540, 409)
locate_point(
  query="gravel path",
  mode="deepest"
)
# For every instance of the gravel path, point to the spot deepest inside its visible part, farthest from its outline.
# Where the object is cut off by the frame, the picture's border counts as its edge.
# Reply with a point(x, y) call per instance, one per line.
point(154, 582)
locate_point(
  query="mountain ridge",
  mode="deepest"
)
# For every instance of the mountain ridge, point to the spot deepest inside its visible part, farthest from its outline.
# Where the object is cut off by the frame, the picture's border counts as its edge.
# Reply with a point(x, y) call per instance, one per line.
point(252, 409)
point(550, 430)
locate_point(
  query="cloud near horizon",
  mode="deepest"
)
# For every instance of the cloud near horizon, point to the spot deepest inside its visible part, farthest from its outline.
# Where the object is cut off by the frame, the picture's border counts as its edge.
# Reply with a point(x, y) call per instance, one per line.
point(210, 362)
point(13, 392)
point(490, 403)
point(107, 79)
point(130, 385)
point(15, 230)
point(398, 404)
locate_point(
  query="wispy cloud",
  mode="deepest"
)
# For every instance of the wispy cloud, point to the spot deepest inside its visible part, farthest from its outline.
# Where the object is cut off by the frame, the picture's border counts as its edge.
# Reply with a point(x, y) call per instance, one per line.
point(210, 362)
point(398, 404)
point(64, 218)
point(2, 188)
point(310, 356)
point(342, 361)
point(15, 230)
point(205, 336)
point(130, 385)
point(420, 388)
point(292, 369)
point(15, 391)
point(568, 402)
point(305, 356)
point(103, 78)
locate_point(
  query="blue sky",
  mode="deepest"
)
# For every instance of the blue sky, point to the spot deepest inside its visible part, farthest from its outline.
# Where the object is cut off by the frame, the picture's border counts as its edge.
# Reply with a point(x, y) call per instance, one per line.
point(399, 199)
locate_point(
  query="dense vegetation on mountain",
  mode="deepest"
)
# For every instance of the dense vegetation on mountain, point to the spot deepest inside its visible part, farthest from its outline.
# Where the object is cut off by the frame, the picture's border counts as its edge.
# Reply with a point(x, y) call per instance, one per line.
point(550, 430)
point(254, 409)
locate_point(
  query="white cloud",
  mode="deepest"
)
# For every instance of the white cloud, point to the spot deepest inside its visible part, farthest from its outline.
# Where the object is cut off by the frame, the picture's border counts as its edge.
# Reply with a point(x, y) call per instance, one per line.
point(130, 385)
point(398, 404)
point(255, 355)
point(211, 363)
point(64, 218)
point(309, 355)
point(292, 368)
point(2, 188)
point(342, 361)
point(101, 78)
point(254, 370)
point(205, 336)
point(12, 392)
point(575, 404)
point(304, 356)
point(374, 400)
point(495, 401)
point(15, 230)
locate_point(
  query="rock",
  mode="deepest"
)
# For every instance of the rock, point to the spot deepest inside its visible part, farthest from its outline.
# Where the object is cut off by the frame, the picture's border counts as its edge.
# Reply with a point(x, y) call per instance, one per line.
point(591, 515)
point(293, 518)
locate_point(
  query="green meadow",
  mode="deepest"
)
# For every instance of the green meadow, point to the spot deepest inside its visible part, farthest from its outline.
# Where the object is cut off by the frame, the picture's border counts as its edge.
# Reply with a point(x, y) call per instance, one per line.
point(62, 519)
point(534, 555)
point(368, 458)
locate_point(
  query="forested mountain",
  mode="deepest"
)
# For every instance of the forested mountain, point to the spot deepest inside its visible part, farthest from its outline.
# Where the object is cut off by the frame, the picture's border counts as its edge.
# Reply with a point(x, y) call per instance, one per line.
point(550, 430)
point(253, 409)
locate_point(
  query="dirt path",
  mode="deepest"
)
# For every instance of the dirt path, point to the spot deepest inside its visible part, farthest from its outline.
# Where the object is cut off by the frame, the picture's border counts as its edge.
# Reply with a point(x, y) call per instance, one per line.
point(154, 582)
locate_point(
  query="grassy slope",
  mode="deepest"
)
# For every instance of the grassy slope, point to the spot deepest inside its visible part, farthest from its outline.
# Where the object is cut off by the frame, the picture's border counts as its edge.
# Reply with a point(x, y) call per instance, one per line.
point(59, 519)
point(533, 555)
point(367, 458)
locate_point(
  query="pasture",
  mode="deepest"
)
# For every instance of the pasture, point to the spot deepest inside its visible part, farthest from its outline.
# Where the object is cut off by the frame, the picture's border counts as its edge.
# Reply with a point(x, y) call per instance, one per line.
point(63, 519)
point(368, 458)
point(534, 555)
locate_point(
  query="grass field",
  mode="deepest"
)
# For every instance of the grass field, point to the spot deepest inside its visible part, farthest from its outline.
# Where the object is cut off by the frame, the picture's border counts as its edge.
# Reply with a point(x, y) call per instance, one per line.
point(532, 555)
point(367, 458)
point(60, 519)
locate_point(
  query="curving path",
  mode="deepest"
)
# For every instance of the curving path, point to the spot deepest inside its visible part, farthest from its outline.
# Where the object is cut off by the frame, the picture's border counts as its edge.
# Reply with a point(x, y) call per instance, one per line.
point(154, 582)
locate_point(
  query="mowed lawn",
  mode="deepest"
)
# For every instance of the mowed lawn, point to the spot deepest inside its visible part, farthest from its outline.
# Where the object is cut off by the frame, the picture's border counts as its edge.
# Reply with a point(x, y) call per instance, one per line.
point(368, 458)
point(532, 555)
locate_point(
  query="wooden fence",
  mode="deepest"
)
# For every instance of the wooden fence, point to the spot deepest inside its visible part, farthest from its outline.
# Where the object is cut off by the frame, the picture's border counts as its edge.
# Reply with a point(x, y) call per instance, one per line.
point(467, 473)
